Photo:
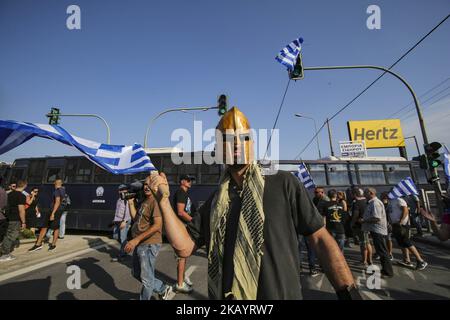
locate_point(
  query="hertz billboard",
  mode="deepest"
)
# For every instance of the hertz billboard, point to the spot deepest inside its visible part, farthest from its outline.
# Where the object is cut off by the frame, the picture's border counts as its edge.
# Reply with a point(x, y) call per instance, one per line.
point(377, 133)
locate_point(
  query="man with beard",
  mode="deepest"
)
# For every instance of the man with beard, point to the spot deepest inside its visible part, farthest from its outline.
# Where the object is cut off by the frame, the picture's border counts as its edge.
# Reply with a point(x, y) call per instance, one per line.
point(250, 226)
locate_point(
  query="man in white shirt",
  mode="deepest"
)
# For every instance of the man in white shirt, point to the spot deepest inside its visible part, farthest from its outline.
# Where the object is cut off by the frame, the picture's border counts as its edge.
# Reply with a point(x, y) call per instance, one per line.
point(399, 216)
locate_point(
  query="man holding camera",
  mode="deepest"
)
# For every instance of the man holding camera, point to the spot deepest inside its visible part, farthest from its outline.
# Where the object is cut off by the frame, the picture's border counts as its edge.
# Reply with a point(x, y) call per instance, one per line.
point(121, 223)
point(145, 244)
point(250, 226)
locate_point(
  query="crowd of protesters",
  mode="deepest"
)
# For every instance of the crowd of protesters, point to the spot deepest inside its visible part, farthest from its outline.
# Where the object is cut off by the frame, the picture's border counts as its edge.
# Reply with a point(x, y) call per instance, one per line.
point(20, 210)
point(359, 216)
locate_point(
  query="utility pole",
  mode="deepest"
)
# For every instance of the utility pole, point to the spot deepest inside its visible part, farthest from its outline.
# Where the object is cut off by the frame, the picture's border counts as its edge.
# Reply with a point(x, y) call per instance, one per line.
point(329, 138)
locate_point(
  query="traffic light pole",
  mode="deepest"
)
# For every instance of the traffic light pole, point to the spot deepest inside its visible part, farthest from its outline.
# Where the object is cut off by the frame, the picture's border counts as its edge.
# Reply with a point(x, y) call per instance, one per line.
point(108, 131)
point(433, 171)
point(172, 110)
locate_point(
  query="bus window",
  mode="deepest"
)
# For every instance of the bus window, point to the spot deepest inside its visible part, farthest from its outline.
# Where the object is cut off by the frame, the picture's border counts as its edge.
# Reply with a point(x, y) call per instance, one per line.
point(156, 161)
point(210, 174)
point(317, 172)
point(338, 175)
point(52, 174)
point(84, 171)
point(103, 176)
point(189, 169)
point(71, 170)
point(397, 172)
point(170, 169)
point(17, 174)
point(421, 175)
point(371, 174)
point(36, 171)
point(353, 175)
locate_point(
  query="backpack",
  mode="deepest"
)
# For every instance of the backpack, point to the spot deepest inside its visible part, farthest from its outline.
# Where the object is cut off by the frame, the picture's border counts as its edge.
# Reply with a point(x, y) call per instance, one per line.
point(65, 202)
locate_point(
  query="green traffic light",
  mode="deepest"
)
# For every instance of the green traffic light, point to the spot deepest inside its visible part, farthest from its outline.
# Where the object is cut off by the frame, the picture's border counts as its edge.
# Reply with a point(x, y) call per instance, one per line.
point(435, 163)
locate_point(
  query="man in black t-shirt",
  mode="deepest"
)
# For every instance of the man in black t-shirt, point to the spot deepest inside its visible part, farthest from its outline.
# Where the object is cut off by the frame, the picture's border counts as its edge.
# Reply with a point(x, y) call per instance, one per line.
point(53, 219)
point(184, 207)
point(250, 226)
point(15, 213)
point(359, 205)
point(334, 215)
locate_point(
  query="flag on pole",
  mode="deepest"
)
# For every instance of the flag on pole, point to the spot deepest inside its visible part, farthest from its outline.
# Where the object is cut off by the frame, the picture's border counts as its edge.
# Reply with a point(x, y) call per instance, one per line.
point(447, 164)
point(288, 55)
point(405, 187)
point(117, 159)
point(303, 175)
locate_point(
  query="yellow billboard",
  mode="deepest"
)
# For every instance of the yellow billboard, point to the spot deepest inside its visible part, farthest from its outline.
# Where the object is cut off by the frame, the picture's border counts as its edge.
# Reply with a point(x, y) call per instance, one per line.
point(377, 133)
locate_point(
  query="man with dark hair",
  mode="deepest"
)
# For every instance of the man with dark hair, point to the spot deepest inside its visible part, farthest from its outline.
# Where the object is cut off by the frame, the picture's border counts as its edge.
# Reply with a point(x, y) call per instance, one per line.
point(375, 222)
point(53, 219)
point(359, 206)
point(15, 213)
point(250, 226)
point(334, 216)
point(184, 207)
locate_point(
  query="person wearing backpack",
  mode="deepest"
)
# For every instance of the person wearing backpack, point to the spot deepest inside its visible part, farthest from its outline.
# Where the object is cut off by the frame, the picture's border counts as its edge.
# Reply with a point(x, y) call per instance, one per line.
point(54, 218)
point(65, 204)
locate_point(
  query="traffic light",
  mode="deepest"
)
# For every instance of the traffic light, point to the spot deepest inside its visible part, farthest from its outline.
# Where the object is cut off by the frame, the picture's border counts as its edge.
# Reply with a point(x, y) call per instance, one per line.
point(222, 104)
point(423, 161)
point(53, 116)
point(297, 73)
point(432, 152)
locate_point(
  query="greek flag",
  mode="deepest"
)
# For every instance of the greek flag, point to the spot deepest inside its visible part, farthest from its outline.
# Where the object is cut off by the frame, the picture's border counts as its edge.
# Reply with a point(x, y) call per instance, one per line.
point(303, 175)
point(117, 159)
point(447, 164)
point(288, 55)
point(405, 187)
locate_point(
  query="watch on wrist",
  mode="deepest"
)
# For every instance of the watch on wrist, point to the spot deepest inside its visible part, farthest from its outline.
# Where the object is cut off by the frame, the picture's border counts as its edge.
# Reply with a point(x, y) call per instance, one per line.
point(349, 293)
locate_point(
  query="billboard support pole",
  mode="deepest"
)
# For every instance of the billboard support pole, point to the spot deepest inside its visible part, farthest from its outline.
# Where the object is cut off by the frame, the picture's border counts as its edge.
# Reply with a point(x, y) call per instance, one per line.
point(433, 171)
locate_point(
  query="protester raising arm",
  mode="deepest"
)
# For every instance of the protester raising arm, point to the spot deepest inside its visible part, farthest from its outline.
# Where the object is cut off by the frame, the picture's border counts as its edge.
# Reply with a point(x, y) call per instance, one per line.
point(176, 232)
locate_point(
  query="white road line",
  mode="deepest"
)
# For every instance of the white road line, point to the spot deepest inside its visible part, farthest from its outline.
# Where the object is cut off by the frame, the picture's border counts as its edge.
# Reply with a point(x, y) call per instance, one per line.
point(47, 263)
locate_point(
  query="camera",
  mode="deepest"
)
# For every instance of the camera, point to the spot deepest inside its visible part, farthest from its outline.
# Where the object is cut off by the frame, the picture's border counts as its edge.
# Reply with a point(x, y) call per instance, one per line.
point(135, 191)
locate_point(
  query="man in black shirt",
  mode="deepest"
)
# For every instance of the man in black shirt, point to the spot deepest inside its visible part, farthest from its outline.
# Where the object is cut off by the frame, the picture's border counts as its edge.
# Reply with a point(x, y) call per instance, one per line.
point(333, 212)
point(15, 213)
point(184, 207)
point(359, 205)
point(250, 226)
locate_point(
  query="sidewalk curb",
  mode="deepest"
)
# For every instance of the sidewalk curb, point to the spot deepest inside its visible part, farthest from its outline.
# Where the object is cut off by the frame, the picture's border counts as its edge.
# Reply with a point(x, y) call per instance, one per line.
point(435, 243)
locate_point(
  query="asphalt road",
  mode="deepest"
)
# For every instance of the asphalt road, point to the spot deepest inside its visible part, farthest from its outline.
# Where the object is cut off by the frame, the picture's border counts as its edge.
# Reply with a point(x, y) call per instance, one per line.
point(103, 279)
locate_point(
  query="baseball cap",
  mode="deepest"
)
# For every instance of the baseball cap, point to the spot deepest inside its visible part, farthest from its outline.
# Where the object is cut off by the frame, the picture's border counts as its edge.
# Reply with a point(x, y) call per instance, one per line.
point(123, 187)
point(186, 177)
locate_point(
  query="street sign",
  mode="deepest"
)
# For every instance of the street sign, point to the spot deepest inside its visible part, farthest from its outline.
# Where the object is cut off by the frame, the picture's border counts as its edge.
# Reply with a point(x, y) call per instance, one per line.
point(353, 149)
point(377, 133)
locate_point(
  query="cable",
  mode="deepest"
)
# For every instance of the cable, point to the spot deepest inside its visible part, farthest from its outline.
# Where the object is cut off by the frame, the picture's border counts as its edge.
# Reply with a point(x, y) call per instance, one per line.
point(276, 119)
point(312, 139)
point(370, 85)
point(398, 60)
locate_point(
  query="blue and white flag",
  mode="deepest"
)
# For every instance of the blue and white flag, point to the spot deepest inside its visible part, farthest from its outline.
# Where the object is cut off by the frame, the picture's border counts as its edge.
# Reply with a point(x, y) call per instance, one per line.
point(117, 159)
point(404, 188)
point(447, 164)
point(288, 55)
point(303, 175)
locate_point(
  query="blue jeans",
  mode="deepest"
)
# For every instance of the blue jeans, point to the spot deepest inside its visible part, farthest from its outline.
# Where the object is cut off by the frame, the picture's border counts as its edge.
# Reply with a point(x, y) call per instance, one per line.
point(310, 252)
point(144, 264)
point(340, 239)
point(62, 224)
point(121, 236)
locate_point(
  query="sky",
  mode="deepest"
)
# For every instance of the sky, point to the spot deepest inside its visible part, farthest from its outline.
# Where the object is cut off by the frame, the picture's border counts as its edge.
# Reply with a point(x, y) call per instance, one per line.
point(133, 59)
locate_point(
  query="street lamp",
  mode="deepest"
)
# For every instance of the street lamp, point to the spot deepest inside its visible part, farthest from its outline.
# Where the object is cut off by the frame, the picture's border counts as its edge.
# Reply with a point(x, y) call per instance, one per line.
point(171, 110)
point(315, 129)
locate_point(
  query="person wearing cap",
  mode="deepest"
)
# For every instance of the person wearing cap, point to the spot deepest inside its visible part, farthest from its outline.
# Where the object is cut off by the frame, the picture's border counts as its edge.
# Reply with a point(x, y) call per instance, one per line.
point(122, 222)
point(250, 226)
point(184, 207)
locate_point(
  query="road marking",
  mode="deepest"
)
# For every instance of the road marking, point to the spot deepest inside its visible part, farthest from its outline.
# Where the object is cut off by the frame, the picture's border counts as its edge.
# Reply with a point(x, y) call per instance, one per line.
point(47, 263)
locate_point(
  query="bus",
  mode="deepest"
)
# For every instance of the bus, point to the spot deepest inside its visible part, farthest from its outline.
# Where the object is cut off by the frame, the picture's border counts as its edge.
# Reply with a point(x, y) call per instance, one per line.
point(94, 191)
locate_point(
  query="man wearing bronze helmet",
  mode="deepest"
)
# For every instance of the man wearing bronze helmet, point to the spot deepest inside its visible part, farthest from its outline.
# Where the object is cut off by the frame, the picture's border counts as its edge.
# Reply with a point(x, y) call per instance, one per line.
point(250, 226)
